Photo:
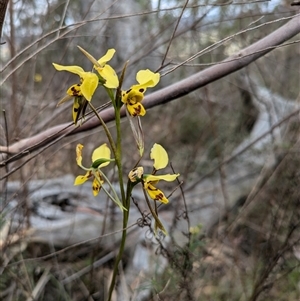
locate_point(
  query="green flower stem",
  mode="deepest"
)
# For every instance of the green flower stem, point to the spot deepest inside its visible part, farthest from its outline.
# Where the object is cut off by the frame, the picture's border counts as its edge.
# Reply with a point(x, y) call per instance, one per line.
point(123, 240)
point(107, 132)
point(125, 199)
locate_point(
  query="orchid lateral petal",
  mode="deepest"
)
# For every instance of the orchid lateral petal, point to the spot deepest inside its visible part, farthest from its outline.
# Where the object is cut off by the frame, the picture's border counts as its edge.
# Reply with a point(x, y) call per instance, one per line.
point(160, 156)
point(102, 152)
point(73, 69)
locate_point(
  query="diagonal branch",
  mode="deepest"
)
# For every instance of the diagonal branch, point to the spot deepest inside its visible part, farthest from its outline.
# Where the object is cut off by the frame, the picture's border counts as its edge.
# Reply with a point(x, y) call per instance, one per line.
point(238, 61)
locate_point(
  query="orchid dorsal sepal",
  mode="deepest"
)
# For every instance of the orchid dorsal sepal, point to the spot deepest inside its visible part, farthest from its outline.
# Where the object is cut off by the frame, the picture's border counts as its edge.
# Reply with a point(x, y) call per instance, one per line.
point(89, 56)
point(160, 156)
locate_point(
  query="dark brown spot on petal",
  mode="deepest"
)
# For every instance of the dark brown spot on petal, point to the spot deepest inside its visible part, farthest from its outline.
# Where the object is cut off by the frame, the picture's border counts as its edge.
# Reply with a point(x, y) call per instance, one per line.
point(159, 197)
point(76, 91)
point(96, 188)
point(128, 91)
point(138, 110)
point(141, 90)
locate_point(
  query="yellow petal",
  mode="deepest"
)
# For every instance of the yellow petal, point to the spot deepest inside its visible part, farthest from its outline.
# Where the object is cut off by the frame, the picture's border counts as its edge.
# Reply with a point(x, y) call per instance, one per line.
point(78, 107)
point(147, 76)
point(154, 178)
point(96, 184)
point(82, 179)
point(136, 109)
point(74, 90)
point(79, 148)
point(89, 85)
point(109, 74)
point(73, 69)
point(132, 96)
point(107, 57)
point(155, 193)
point(102, 152)
point(160, 156)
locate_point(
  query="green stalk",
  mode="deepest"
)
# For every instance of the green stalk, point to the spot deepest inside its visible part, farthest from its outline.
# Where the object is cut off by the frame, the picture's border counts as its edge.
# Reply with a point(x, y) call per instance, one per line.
point(125, 200)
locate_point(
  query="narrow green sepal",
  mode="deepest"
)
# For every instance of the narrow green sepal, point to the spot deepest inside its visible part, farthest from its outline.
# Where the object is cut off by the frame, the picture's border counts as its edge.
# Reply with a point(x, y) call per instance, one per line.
point(100, 161)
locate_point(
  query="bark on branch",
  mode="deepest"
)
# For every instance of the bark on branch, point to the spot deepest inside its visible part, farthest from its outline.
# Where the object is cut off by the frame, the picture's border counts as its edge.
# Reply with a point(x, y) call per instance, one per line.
point(174, 91)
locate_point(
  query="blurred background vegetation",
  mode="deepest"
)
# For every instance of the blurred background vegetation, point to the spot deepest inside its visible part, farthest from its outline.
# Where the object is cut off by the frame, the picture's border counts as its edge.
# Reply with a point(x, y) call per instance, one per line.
point(248, 249)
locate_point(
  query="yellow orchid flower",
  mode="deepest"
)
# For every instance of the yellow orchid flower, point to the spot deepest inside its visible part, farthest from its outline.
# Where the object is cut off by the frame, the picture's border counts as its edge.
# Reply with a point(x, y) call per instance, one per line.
point(105, 71)
point(149, 181)
point(100, 158)
point(89, 81)
point(132, 98)
point(160, 157)
point(82, 92)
